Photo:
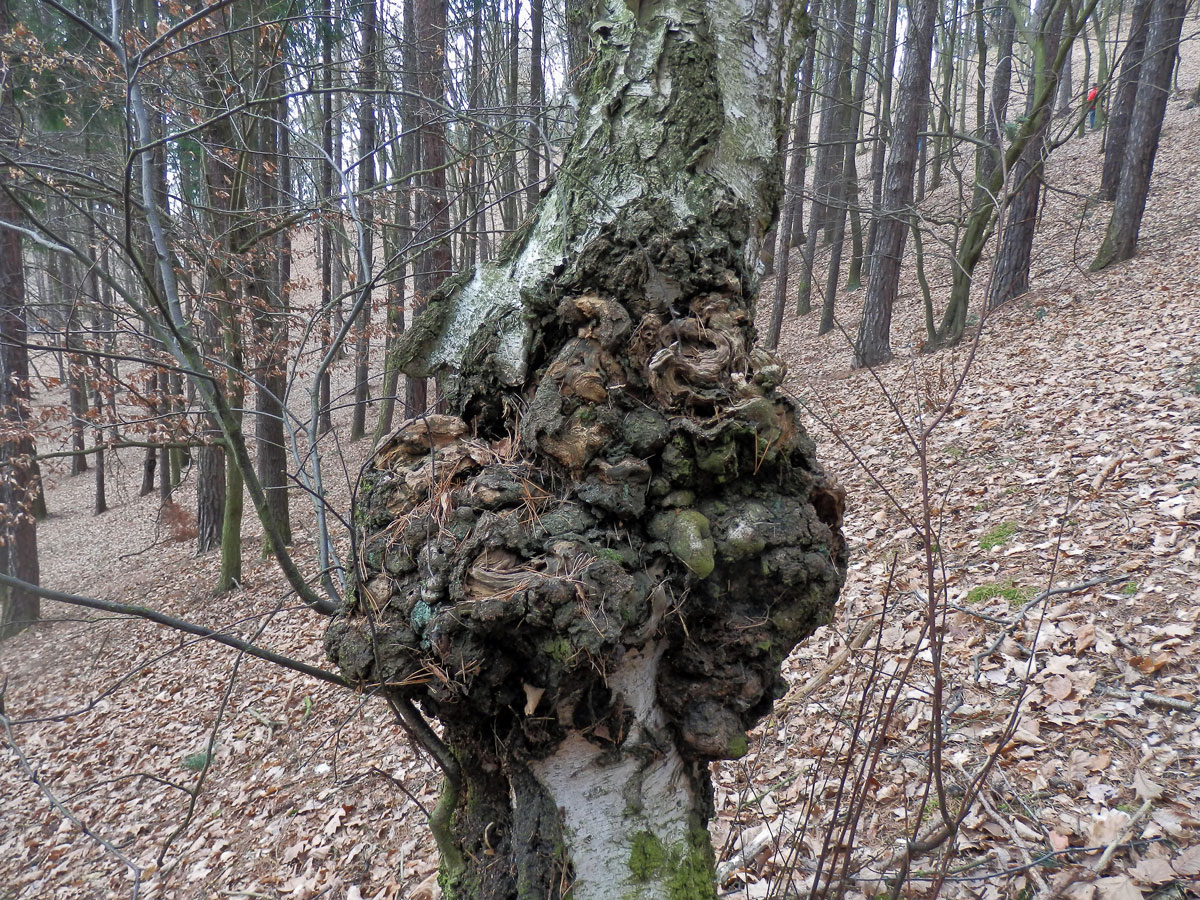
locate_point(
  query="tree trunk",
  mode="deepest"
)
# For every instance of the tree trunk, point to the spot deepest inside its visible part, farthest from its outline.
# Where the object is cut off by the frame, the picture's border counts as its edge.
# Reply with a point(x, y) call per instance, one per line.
point(827, 172)
point(945, 123)
point(1001, 88)
point(433, 213)
point(874, 343)
point(150, 458)
point(1100, 26)
point(210, 478)
point(1121, 109)
point(268, 287)
point(610, 597)
point(325, 227)
point(533, 182)
point(367, 83)
point(883, 128)
point(19, 484)
point(508, 181)
point(231, 521)
point(1011, 275)
point(800, 136)
point(1066, 93)
point(851, 192)
point(846, 132)
point(396, 319)
point(980, 223)
point(1145, 126)
point(792, 218)
point(76, 391)
point(982, 151)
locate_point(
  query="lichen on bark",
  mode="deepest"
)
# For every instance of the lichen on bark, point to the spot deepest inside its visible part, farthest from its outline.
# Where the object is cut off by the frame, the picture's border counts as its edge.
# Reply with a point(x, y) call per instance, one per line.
point(591, 567)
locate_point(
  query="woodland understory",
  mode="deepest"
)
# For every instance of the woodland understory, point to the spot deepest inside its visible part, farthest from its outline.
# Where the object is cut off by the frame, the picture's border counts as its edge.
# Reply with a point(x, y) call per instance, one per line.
point(1063, 487)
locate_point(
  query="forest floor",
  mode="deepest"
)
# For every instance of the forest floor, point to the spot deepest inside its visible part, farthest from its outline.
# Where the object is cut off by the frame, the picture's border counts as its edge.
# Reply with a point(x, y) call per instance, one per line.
point(1069, 462)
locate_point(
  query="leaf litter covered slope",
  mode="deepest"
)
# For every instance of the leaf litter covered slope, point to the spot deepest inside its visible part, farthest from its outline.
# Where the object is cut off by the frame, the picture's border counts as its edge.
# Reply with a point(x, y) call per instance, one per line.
point(1072, 454)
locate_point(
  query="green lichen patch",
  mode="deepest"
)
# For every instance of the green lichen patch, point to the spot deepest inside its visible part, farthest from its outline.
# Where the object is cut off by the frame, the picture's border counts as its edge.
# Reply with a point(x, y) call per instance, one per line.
point(687, 869)
point(1005, 590)
point(999, 535)
point(646, 857)
point(738, 747)
point(691, 541)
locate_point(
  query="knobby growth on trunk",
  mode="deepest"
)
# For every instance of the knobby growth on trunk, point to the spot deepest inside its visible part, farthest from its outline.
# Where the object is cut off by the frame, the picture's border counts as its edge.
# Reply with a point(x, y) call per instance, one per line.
point(590, 568)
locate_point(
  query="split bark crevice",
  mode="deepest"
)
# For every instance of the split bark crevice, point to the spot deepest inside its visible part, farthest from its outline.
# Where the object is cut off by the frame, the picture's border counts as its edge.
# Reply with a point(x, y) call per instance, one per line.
point(591, 568)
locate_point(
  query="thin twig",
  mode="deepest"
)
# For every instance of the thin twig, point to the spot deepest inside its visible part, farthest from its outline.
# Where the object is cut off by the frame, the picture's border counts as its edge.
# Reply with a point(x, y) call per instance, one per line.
point(1012, 832)
point(1093, 871)
point(811, 686)
point(1012, 626)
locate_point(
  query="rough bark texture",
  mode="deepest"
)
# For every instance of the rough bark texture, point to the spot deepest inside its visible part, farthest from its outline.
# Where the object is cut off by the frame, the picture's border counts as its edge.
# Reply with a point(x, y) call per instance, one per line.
point(1001, 88)
point(874, 343)
point(794, 224)
point(592, 568)
point(1011, 275)
point(883, 127)
point(1122, 105)
point(368, 78)
point(1145, 127)
point(18, 471)
point(433, 264)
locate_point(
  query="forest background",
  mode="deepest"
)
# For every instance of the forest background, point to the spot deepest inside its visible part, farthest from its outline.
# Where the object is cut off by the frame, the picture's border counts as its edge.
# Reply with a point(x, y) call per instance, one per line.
point(312, 180)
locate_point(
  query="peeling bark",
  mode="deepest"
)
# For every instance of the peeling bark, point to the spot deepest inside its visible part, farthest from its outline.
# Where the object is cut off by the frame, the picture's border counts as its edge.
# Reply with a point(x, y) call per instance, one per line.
point(591, 569)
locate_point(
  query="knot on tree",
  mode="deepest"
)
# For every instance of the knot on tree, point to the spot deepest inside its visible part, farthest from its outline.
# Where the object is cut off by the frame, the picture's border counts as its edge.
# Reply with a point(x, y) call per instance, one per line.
point(656, 494)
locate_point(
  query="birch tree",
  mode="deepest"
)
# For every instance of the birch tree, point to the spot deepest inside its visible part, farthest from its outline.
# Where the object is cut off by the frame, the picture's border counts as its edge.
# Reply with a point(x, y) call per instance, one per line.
point(591, 567)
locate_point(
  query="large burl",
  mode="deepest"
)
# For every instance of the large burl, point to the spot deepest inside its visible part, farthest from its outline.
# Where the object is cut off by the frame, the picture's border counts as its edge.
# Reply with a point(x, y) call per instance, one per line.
point(501, 580)
point(656, 497)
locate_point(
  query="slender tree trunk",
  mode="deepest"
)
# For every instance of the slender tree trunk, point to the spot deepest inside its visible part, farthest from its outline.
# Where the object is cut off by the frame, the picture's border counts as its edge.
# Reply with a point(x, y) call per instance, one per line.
point(150, 458)
point(367, 82)
point(836, 247)
point(325, 226)
point(101, 381)
point(1001, 88)
point(883, 128)
point(1011, 275)
point(19, 486)
point(433, 213)
point(537, 100)
point(397, 292)
point(231, 522)
point(1066, 92)
point(981, 222)
point(790, 232)
point(982, 151)
point(508, 206)
point(831, 155)
point(873, 344)
point(800, 136)
point(1100, 26)
point(210, 480)
point(846, 132)
point(854, 276)
point(100, 498)
point(1121, 110)
point(76, 391)
point(1145, 127)
point(945, 123)
point(828, 156)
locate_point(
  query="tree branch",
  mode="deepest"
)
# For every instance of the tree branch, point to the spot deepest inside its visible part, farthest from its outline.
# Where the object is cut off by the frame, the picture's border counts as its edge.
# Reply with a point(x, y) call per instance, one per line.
point(142, 612)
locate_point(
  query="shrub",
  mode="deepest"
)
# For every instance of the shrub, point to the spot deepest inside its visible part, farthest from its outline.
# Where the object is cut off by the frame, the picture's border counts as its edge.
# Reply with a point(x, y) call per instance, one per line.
point(179, 522)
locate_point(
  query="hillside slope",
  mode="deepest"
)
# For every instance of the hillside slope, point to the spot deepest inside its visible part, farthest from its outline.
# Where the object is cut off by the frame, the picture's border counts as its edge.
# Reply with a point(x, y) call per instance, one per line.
point(1071, 456)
